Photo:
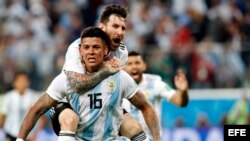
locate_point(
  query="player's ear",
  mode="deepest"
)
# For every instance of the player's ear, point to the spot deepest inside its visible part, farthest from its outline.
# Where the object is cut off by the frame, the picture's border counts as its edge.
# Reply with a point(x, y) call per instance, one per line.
point(80, 50)
point(106, 51)
point(101, 25)
point(144, 66)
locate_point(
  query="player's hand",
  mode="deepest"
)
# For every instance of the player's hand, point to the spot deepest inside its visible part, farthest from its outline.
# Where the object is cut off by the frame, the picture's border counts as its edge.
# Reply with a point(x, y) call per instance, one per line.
point(180, 81)
point(113, 65)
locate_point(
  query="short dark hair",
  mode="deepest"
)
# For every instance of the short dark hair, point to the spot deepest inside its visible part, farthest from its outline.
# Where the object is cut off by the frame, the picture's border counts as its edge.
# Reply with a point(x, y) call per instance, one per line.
point(19, 73)
point(113, 9)
point(134, 53)
point(96, 32)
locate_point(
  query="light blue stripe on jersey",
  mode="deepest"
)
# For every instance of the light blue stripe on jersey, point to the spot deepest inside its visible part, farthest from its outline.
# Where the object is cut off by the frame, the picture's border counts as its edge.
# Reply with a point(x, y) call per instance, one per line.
point(12, 118)
point(75, 102)
point(22, 110)
point(94, 114)
point(114, 99)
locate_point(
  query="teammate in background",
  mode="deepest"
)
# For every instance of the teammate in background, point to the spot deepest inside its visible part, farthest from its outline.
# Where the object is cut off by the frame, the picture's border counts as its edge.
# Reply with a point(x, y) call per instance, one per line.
point(100, 108)
point(154, 89)
point(113, 22)
point(15, 105)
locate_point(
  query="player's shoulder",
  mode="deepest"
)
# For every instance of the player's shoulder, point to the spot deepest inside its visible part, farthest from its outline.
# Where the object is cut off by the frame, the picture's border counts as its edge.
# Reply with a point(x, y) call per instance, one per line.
point(61, 76)
point(151, 77)
point(10, 93)
point(60, 79)
point(76, 43)
point(122, 48)
point(122, 73)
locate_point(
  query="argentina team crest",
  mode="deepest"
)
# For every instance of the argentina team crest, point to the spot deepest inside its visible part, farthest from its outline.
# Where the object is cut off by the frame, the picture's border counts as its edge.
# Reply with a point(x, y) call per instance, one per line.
point(111, 85)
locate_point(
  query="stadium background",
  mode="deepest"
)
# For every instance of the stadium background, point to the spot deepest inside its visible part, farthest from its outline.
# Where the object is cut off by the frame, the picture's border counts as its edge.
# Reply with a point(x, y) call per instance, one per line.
point(209, 39)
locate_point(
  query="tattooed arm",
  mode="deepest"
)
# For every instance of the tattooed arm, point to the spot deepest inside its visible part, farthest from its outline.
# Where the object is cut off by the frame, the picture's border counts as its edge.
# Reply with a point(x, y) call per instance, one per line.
point(39, 108)
point(149, 114)
point(80, 83)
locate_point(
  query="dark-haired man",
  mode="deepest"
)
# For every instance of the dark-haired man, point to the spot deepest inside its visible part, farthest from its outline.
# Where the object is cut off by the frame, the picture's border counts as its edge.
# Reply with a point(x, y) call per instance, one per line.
point(99, 109)
point(16, 103)
point(113, 22)
point(154, 89)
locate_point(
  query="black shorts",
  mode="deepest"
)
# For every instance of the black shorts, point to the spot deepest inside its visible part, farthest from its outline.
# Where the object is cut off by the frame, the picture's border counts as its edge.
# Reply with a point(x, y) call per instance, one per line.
point(54, 114)
point(10, 137)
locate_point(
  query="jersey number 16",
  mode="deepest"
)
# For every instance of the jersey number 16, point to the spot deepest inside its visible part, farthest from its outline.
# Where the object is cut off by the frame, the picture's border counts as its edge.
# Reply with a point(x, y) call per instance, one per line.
point(95, 100)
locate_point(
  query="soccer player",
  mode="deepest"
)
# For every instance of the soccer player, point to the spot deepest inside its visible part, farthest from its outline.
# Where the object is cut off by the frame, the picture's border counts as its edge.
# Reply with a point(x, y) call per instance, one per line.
point(113, 22)
point(154, 89)
point(16, 103)
point(99, 109)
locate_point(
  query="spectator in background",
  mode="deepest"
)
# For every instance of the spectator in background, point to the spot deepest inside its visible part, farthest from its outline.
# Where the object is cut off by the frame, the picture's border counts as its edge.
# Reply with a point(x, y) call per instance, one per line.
point(15, 105)
point(152, 25)
point(203, 125)
point(202, 68)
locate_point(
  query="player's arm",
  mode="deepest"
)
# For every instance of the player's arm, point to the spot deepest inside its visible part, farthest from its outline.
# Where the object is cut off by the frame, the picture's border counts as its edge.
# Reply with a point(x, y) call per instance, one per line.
point(81, 83)
point(139, 101)
point(2, 119)
point(3, 110)
point(39, 108)
point(41, 125)
point(180, 98)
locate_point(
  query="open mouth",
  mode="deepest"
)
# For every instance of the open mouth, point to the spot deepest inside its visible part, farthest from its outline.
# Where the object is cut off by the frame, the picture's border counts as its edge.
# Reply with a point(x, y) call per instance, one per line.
point(116, 41)
point(135, 73)
point(91, 59)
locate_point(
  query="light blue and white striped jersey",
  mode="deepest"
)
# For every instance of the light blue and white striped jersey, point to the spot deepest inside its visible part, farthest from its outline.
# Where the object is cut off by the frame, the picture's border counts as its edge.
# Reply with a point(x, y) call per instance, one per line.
point(154, 90)
point(15, 107)
point(73, 58)
point(100, 109)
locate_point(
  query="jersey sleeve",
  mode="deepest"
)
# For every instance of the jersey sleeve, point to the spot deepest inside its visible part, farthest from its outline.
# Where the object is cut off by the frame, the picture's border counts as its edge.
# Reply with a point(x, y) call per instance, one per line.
point(73, 58)
point(165, 90)
point(129, 86)
point(121, 53)
point(57, 88)
point(124, 54)
point(126, 105)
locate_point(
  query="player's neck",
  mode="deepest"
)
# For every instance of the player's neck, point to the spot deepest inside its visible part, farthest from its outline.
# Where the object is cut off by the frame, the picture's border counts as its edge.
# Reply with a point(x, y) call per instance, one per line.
point(139, 80)
point(21, 92)
point(92, 69)
point(113, 49)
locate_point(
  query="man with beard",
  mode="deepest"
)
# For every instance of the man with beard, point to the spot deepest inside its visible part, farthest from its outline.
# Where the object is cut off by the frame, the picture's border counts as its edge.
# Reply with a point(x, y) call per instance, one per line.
point(154, 89)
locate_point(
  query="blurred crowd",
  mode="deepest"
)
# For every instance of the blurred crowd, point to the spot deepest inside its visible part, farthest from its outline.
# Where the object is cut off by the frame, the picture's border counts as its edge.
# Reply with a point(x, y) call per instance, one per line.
point(206, 38)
